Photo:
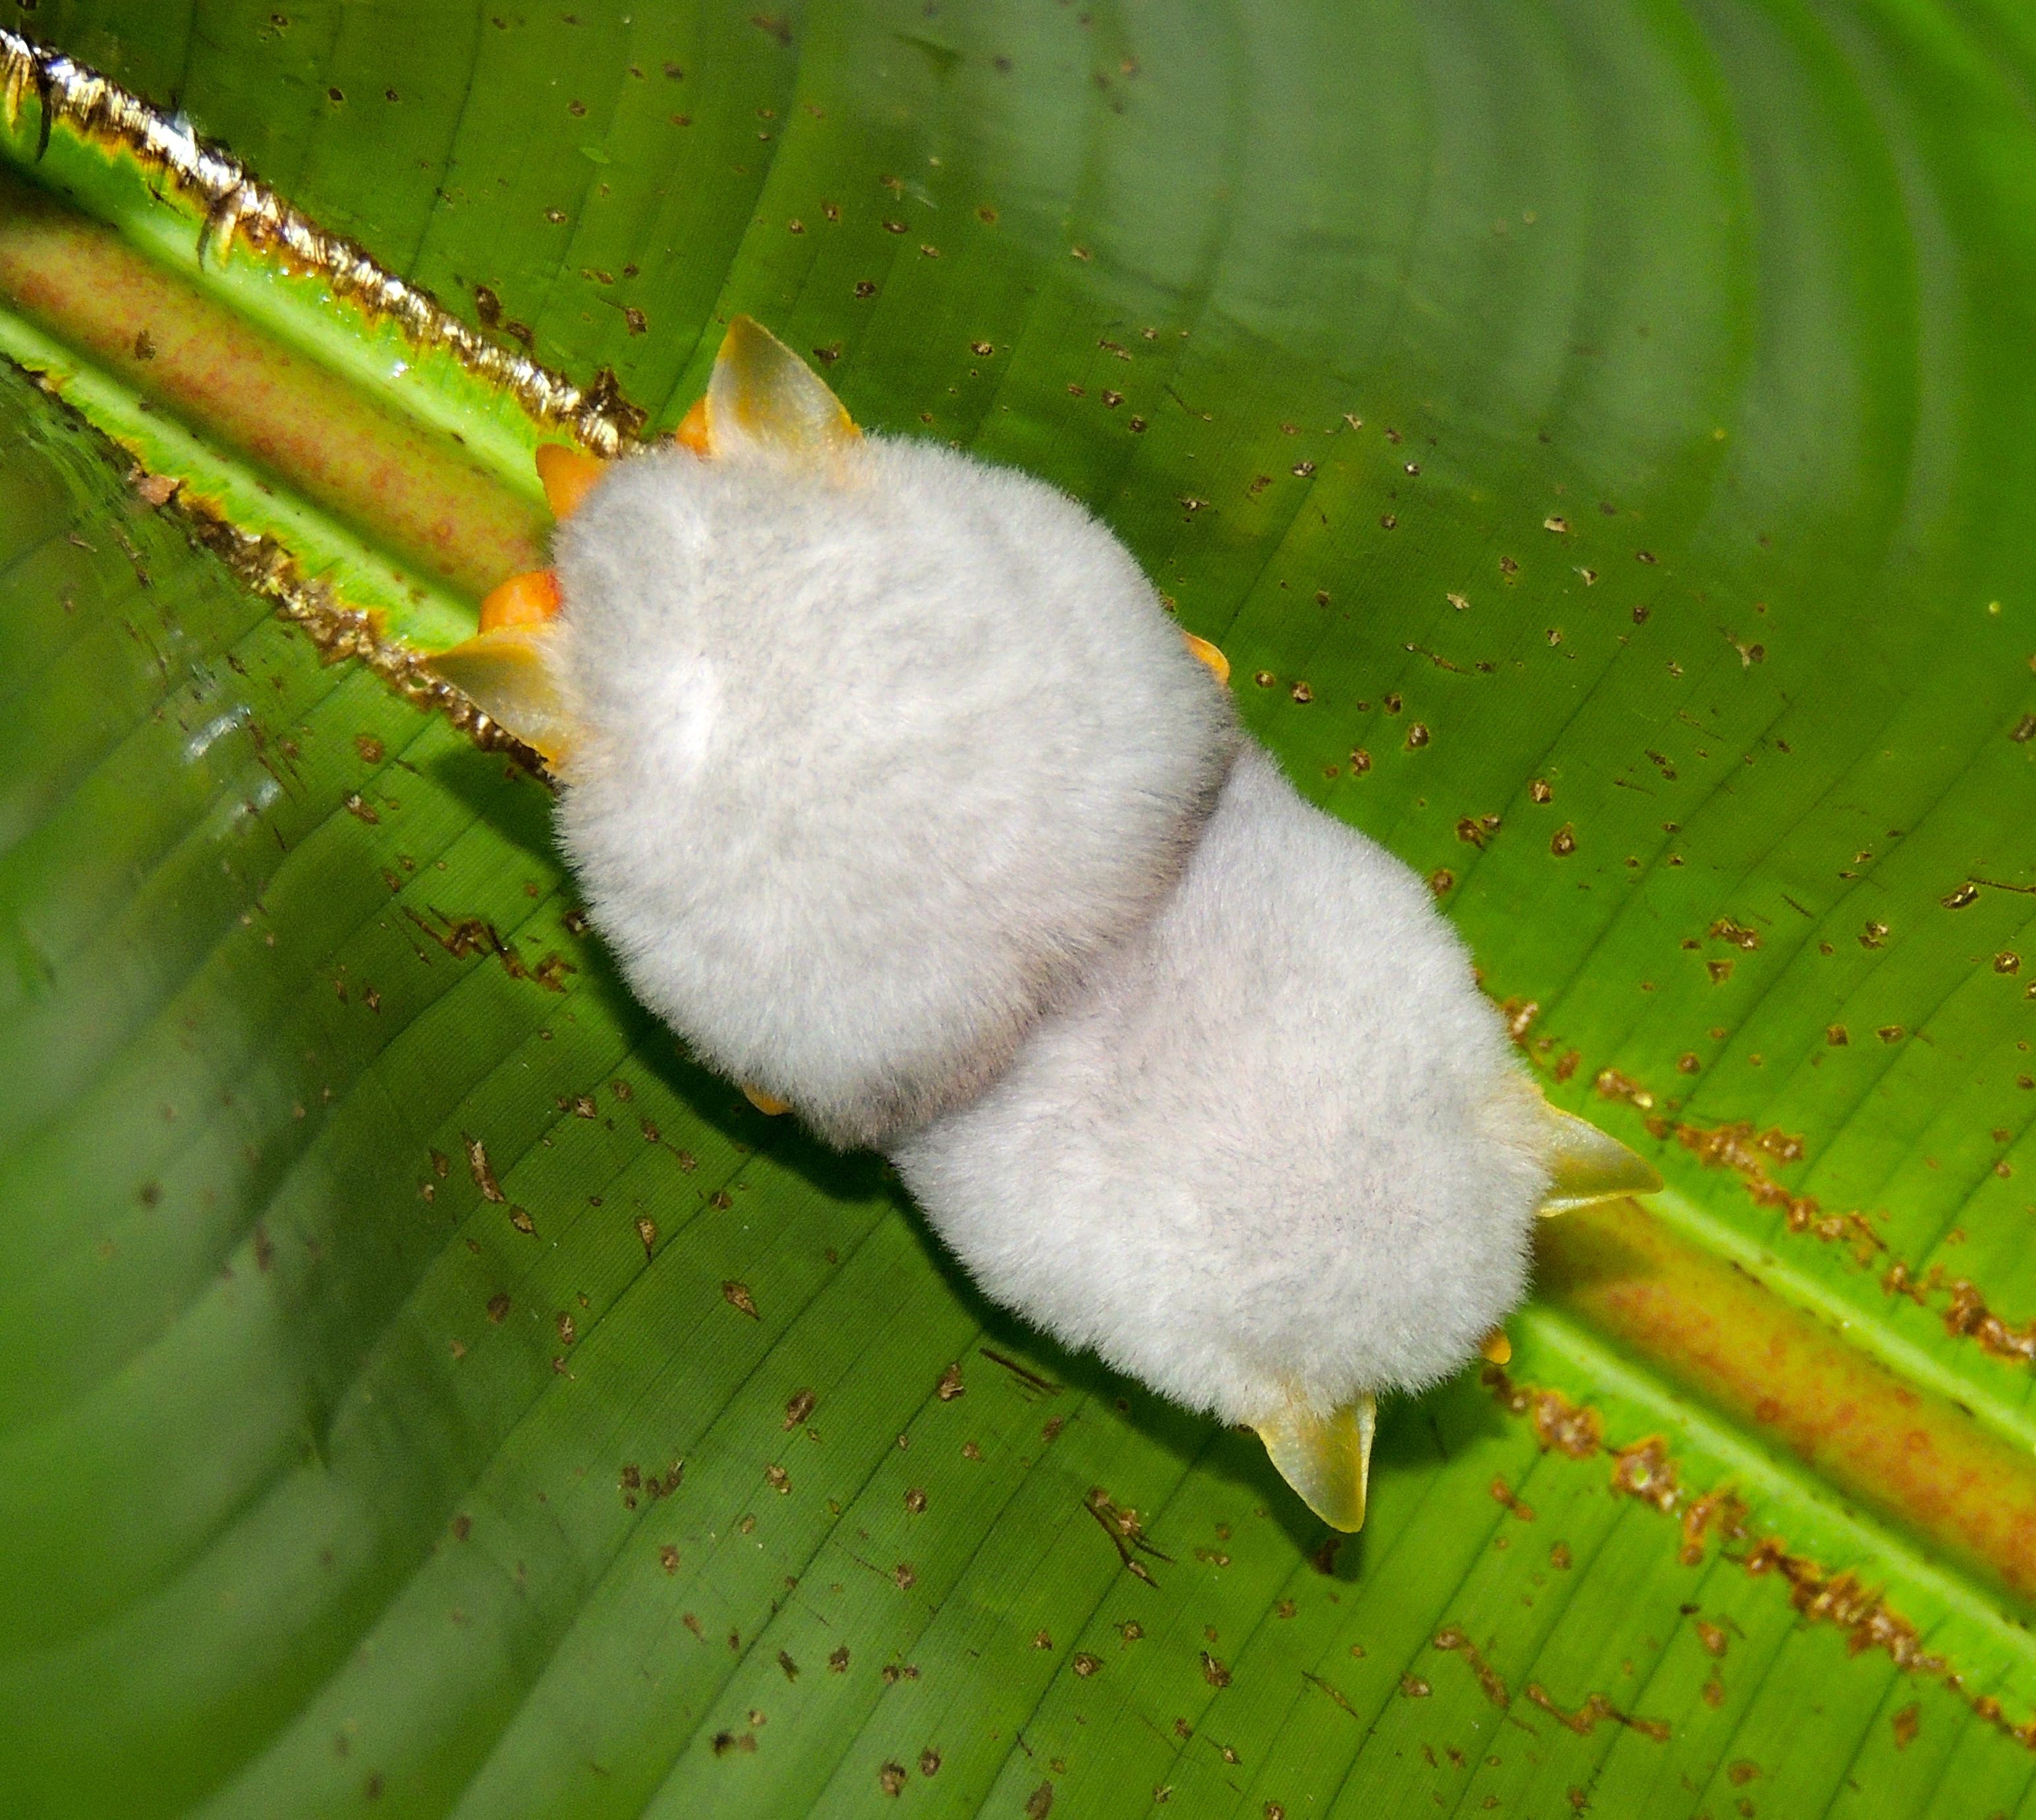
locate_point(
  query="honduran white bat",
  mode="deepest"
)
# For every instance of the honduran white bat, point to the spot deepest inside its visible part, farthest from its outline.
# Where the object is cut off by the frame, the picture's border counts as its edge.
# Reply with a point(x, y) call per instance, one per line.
point(900, 797)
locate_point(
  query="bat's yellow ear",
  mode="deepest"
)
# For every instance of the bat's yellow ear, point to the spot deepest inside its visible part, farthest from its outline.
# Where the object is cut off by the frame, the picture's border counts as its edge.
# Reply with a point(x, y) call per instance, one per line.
point(1587, 1165)
point(764, 397)
point(1326, 1459)
point(508, 673)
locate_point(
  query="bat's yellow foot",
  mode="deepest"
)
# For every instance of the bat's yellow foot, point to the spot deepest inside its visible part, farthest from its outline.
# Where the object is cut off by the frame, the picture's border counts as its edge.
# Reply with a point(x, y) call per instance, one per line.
point(1210, 655)
point(568, 476)
point(692, 431)
point(1587, 1166)
point(1326, 1459)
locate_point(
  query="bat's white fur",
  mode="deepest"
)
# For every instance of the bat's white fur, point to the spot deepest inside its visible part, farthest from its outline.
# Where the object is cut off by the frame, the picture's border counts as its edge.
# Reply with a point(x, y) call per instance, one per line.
point(874, 755)
point(1280, 1144)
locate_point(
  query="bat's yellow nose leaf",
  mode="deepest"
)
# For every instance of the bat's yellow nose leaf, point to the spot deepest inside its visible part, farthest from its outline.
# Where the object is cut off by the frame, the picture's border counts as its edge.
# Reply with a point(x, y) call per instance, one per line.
point(529, 599)
point(1496, 1347)
point(508, 674)
point(1326, 1459)
point(568, 476)
point(767, 1103)
point(763, 394)
point(1588, 1167)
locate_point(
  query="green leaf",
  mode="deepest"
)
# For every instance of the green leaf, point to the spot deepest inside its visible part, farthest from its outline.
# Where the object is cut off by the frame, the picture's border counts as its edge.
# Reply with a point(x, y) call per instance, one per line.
point(422, 1390)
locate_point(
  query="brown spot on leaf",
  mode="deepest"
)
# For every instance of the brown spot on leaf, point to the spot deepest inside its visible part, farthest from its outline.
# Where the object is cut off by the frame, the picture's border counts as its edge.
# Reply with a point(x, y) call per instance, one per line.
point(1610, 1084)
point(1595, 1707)
point(1644, 1471)
point(477, 1163)
point(1559, 1425)
point(1452, 1638)
point(464, 936)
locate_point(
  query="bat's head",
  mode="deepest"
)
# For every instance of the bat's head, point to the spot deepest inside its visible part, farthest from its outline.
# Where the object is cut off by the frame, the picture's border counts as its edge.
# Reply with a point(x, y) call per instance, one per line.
point(762, 403)
point(867, 746)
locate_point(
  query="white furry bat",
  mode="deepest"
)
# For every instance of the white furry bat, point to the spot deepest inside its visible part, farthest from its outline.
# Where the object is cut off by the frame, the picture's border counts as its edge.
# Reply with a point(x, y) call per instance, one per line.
point(898, 796)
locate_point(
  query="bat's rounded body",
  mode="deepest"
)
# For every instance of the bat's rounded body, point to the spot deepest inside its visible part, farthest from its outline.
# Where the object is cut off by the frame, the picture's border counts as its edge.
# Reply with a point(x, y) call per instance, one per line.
point(1280, 1146)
